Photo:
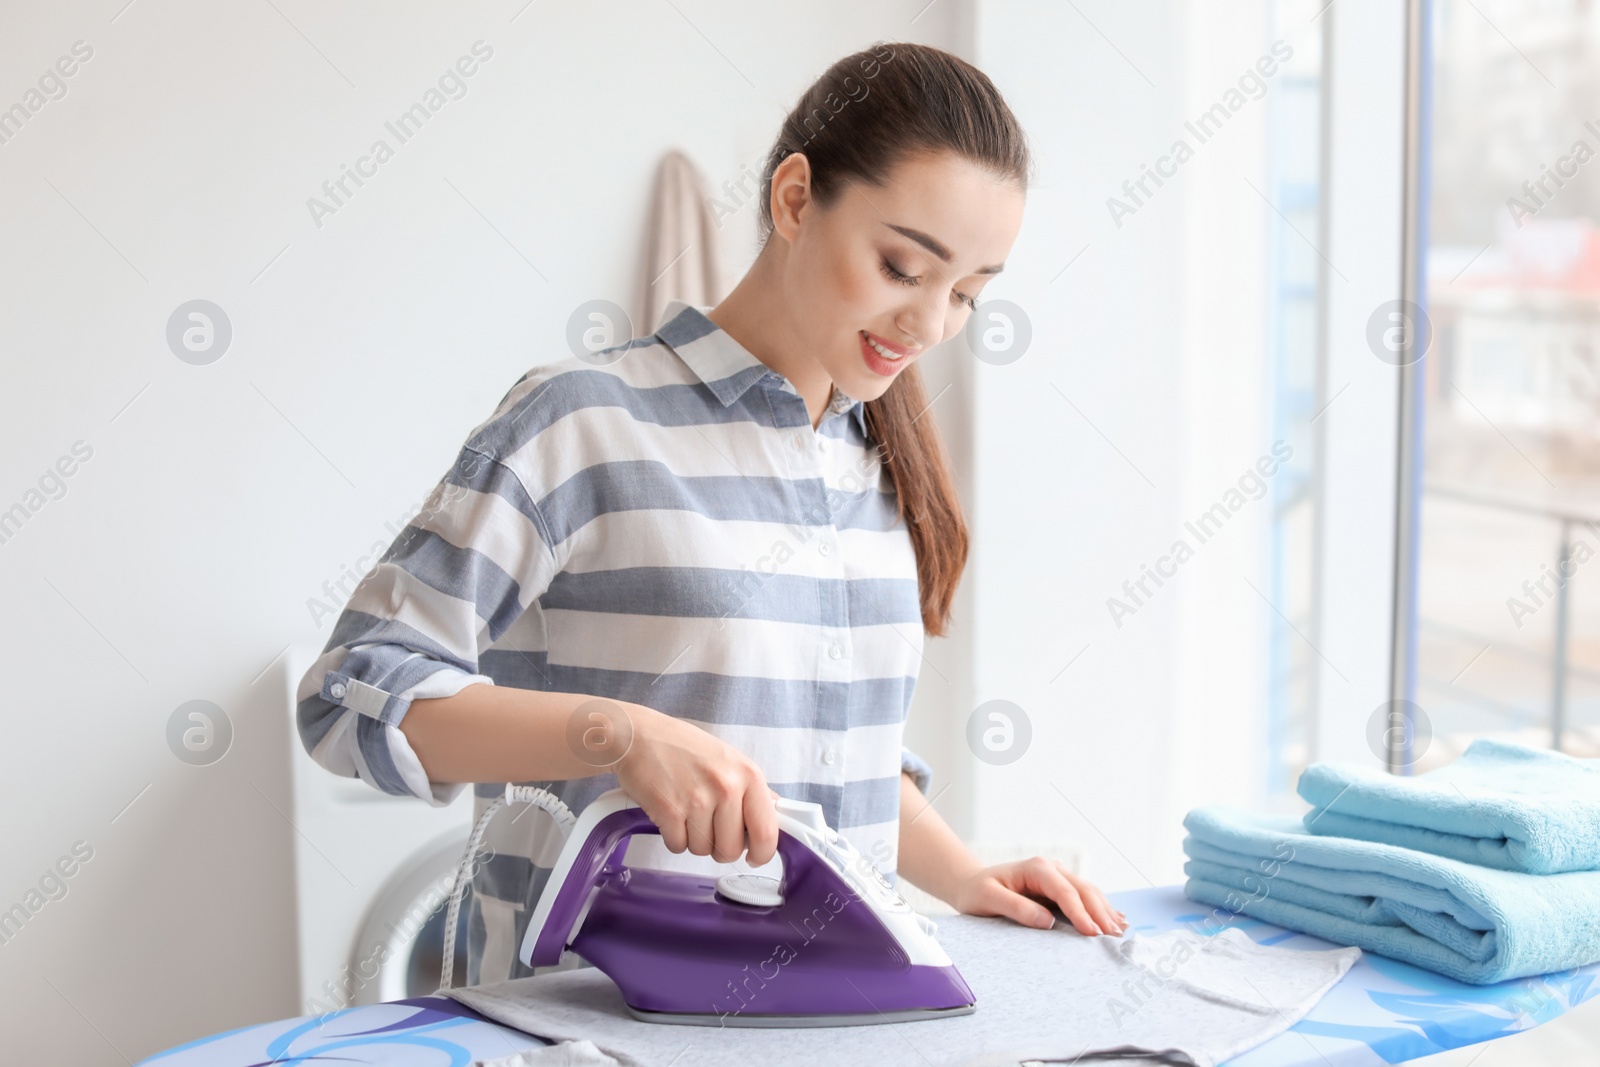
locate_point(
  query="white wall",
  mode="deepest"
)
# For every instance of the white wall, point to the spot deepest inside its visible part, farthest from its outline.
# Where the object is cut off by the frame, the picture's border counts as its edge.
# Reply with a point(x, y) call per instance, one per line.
point(219, 498)
point(1142, 401)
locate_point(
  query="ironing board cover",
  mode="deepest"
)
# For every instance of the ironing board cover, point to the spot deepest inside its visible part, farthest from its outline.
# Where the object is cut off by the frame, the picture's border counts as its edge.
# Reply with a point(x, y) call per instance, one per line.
point(1382, 1012)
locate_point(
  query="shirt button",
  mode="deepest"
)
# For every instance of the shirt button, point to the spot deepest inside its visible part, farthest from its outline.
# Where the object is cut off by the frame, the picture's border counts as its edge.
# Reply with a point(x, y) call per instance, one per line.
point(835, 652)
point(337, 690)
point(825, 548)
point(828, 755)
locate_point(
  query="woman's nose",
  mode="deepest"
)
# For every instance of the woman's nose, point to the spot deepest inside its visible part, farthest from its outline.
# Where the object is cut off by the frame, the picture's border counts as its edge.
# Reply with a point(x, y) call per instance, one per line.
point(922, 324)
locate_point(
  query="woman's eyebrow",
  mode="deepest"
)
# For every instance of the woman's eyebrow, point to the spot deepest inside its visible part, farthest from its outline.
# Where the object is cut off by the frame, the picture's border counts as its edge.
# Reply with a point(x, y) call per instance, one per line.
point(933, 245)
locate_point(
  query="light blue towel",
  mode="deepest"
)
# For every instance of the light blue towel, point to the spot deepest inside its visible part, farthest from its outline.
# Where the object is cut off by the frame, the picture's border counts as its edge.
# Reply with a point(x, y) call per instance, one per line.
point(1499, 805)
point(1472, 923)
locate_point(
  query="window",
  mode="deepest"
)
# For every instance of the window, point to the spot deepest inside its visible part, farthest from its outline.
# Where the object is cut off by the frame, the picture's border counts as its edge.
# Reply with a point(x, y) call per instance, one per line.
point(1507, 639)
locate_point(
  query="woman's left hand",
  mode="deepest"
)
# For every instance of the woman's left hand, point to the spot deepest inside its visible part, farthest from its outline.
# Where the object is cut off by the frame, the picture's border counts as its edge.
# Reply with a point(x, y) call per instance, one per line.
point(1005, 889)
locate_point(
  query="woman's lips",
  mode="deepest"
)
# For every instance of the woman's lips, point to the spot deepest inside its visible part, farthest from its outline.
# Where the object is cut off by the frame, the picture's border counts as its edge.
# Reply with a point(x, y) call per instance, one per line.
point(877, 363)
point(897, 349)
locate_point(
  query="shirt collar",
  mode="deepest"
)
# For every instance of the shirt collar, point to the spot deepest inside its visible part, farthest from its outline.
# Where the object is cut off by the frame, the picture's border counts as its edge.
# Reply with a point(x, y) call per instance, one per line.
point(726, 367)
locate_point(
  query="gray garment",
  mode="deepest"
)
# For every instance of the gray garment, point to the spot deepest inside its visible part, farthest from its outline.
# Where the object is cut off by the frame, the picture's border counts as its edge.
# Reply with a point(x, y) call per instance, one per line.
point(1050, 995)
point(566, 1054)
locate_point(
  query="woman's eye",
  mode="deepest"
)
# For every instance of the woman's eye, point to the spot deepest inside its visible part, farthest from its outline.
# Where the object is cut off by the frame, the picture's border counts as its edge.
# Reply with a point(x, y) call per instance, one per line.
point(905, 279)
point(896, 275)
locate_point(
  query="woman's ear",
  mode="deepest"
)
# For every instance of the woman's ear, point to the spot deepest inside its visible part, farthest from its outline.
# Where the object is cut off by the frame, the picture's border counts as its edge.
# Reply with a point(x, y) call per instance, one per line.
point(791, 194)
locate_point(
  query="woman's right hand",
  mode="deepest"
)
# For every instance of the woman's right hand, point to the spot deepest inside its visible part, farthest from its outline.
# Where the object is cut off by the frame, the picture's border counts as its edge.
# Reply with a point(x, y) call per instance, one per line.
point(702, 793)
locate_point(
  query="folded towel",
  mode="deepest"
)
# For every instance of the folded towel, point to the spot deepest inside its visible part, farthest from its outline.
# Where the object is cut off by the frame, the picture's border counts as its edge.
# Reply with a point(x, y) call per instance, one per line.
point(1499, 805)
point(1472, 923)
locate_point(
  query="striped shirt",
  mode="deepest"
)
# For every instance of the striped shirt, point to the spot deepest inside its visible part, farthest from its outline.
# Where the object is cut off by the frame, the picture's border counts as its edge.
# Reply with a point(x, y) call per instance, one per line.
point(657, 523)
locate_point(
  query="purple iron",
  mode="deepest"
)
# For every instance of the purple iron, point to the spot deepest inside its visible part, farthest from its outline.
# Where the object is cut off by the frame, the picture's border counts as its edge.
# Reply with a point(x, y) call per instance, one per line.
point(830, 944)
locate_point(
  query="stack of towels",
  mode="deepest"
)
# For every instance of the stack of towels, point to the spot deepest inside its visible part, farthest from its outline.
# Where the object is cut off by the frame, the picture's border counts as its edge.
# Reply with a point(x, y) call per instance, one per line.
point(1484, 870)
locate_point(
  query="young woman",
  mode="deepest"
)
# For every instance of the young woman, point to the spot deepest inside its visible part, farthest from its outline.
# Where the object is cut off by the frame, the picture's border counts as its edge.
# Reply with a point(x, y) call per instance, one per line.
point(700, 565)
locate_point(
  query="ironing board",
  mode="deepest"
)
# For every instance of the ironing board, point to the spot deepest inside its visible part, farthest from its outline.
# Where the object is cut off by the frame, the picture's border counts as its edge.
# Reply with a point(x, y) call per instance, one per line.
point(1381, 1012)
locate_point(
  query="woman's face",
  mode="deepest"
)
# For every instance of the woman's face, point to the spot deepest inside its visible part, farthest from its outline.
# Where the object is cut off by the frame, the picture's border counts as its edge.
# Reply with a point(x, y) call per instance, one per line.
point(898, 264)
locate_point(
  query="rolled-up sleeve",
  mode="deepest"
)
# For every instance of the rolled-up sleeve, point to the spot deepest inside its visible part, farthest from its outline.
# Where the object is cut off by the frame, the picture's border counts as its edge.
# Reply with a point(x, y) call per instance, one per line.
point(917, 767)
point(460, 573)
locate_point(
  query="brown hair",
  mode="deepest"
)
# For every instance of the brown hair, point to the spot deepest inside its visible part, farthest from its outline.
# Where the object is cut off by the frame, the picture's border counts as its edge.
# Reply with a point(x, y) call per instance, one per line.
point(864, 115)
